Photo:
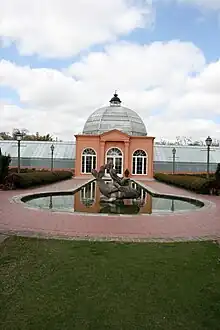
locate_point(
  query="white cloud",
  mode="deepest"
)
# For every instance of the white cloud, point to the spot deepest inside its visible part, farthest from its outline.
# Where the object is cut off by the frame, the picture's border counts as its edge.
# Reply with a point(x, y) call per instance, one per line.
point(62, 28)
point(190, 127)
point(145, 66)
point(169, 84)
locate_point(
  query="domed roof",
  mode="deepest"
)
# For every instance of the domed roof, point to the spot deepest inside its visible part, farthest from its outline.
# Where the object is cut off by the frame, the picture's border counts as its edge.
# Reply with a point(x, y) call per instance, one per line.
point(115, 116)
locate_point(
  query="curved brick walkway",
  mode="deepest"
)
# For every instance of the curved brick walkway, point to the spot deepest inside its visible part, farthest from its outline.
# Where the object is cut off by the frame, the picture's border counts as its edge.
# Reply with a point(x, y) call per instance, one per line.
point(204, 224)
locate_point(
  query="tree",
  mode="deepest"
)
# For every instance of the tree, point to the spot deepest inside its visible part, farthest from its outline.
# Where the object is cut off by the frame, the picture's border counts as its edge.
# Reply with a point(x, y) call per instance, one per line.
point(38, 137)
point(26, 136)
point(5, 136)
point(16, 131)
point(215, 142)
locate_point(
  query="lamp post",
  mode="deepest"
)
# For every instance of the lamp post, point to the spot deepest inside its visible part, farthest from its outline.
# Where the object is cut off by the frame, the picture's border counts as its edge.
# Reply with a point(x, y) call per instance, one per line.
point(208, 142)
point(50, 202)
point(19, 138)
point(52, 150)
point(174, 159)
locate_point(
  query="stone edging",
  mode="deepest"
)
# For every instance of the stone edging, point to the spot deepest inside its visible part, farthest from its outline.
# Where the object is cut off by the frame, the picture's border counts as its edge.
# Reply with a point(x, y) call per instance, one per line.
point(206, 204)
point(18, 198)
point(122, 239)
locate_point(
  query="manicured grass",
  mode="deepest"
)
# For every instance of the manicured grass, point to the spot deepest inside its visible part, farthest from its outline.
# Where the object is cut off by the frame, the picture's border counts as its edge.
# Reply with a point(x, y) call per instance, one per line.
point(60, 285)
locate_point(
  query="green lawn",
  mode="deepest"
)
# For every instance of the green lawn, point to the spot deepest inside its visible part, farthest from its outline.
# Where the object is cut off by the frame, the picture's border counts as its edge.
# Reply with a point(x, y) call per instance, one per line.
point(60, 285)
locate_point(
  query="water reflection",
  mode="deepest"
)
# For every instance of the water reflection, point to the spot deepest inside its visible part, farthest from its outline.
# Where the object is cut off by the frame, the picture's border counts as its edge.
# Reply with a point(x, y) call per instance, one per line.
point(88, 194)
point(89, 200)
point(120, 209)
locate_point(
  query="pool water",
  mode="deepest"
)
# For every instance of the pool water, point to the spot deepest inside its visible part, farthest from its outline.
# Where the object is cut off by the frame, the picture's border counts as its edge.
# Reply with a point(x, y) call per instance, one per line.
point(87, 200)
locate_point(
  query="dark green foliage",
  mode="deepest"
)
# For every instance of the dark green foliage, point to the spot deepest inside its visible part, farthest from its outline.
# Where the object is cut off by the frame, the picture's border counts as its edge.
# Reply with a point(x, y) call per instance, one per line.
point(23, 170)
point(4, 166)
point(35, 178)
point(197, 175)
point(217, 173)
point(201, 185)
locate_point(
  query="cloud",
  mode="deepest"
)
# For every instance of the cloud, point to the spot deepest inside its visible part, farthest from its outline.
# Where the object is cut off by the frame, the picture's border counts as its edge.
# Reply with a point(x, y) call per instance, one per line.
point(63, 28)
point(169, 84)
point(197, 128)
point(201, 98)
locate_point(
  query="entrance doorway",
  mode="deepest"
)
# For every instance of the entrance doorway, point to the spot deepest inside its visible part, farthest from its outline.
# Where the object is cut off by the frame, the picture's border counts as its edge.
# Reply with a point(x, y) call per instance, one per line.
point(115, 156)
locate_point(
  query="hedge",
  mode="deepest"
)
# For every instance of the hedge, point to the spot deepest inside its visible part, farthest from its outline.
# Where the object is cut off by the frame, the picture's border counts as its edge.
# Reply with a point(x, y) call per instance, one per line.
point(26, 180)
point(201, 185)
point(33, 169)
point(22, 170)
point(198, 175)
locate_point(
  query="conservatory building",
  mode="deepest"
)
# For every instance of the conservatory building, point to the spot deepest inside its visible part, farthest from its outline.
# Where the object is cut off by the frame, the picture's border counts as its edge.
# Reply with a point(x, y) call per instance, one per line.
point(114, 134)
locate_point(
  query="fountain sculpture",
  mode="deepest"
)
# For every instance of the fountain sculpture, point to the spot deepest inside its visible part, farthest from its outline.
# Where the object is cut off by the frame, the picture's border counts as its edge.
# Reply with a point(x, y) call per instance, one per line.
point(118, 188)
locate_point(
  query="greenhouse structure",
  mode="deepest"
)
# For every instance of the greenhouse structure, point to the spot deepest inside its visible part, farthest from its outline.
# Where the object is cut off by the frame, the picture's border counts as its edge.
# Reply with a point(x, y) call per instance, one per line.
point(37, 154)
point(117, 134)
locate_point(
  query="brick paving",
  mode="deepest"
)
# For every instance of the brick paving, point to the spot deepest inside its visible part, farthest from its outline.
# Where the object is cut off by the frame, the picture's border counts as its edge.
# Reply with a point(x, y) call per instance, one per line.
point(194, 225)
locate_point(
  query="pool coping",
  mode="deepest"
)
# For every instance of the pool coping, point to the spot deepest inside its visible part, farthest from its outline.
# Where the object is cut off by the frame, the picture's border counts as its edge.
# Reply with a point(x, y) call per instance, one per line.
point(206, 203)
point(111, 238)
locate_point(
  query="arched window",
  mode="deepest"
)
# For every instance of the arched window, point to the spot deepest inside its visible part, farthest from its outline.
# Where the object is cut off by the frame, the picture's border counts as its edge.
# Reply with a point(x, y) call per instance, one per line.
point(139, 162)
point(115, 156)
point(114, 152)
point(88, 160)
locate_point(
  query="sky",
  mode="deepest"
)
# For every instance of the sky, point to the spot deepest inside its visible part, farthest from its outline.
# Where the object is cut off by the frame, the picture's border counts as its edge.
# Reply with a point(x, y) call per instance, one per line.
point(60, 60)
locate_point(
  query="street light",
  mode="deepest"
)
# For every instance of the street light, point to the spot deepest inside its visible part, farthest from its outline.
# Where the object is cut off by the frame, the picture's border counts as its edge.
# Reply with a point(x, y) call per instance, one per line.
point(174, 158)
point(19, 138)
point(208, 142)
point(50, 202)
point(52, 150)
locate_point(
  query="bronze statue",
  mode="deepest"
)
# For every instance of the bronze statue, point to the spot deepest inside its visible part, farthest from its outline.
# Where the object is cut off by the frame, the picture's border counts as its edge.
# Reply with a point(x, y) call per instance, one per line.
point(119, 188)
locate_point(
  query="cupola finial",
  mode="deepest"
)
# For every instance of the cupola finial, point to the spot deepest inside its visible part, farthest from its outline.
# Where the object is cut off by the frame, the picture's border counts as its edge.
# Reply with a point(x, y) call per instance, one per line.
point(115, 101)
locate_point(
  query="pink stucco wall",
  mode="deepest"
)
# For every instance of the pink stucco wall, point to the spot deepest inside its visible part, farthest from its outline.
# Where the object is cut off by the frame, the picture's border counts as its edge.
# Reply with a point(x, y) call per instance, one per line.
point(127, 144)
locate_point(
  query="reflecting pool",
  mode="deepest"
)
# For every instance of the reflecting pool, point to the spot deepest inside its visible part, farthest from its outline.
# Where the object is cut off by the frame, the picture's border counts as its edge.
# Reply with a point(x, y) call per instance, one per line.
point(89, 200)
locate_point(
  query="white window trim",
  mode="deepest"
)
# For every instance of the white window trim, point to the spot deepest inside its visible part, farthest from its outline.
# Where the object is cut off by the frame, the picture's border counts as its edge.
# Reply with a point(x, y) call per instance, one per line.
point(90, 155)
point(143, 157)
point(118, 156)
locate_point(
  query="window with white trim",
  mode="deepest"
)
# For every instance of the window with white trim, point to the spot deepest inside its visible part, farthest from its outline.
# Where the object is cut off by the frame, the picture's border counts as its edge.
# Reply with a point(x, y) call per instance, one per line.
point(88, 160)
point(139, 162)
point(115, 156)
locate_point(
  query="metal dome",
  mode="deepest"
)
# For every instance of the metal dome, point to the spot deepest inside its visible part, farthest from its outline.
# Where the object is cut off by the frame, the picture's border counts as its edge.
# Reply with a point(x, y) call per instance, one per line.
point(115, 116)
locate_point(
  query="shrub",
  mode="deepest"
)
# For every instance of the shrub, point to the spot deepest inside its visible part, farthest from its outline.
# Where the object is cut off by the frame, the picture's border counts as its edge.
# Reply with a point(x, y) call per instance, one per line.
point(24, 170)
point(198, 175)
point(201, 185)
point(4, 166)
point(217, 173)
point(26, 180)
